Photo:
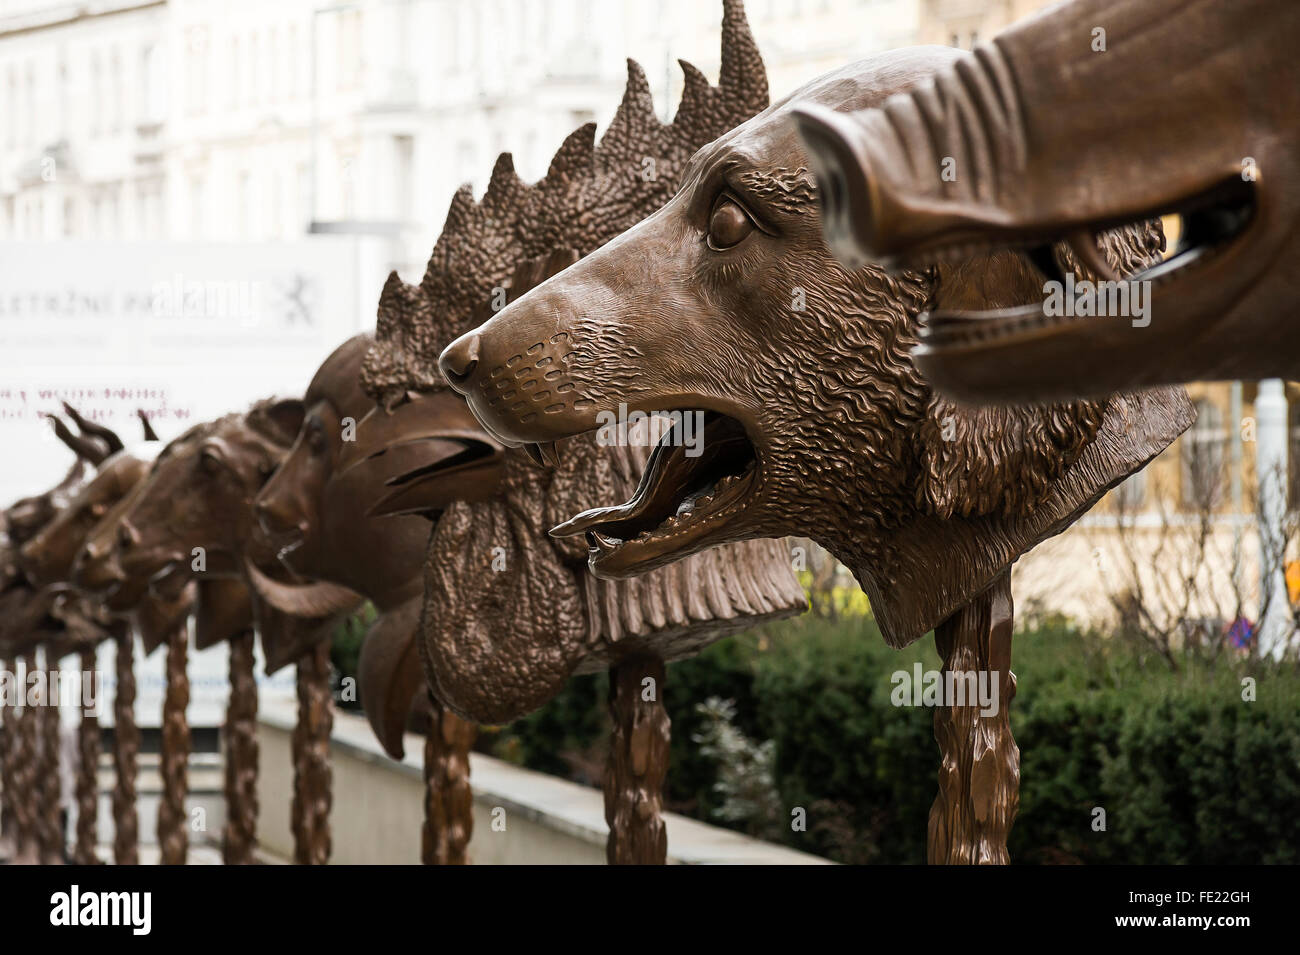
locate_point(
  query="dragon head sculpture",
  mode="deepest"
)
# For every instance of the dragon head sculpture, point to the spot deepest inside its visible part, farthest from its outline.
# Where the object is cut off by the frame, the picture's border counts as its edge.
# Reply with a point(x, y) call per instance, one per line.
point(727, 303)
point(1089, 116)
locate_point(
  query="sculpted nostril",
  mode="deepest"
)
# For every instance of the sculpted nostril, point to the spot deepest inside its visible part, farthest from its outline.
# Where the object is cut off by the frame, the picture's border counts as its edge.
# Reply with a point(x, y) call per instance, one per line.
point(459, 360)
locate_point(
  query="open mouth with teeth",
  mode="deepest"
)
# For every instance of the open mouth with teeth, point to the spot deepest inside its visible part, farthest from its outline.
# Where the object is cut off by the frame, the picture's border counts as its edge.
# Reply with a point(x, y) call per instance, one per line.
point(688, 493)
point(1211, 224)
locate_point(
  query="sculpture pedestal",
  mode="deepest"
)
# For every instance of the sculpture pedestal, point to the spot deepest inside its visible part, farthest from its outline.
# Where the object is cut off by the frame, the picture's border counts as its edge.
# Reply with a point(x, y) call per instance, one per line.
point(979, 778)
point(448, 798)
point(126, 752)
point(239, 839)
point(83, 852)
point(313, 779)
point(173, 829)
point(638, 763)
point(50, 835)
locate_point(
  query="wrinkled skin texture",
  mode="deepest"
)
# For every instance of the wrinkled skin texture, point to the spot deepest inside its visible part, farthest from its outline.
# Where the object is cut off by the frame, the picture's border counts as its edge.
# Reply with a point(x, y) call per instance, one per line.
point(1190, 109)
point(698, 307)
point(509, 614)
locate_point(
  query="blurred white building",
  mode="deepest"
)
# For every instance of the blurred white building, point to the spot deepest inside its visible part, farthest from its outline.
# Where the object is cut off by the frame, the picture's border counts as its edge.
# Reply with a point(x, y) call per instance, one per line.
point(249, 120)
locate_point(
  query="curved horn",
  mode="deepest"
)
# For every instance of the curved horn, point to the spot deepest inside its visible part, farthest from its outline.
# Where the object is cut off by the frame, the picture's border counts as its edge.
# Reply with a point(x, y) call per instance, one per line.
point(149, 433)
point(317, 599)
point(97, 430)
point(82, 447)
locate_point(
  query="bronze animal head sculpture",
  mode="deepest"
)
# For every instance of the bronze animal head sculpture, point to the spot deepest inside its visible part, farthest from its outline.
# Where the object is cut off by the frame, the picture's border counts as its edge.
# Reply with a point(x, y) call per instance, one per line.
point(49, 555)
point(727, 302)
point(191, 519)
point(313, 515)
point(509, 615)
point(1091, 115)
point(41, 536)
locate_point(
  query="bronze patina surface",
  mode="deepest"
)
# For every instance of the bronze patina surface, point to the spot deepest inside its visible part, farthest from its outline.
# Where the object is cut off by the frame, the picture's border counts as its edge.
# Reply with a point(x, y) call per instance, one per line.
point(1054, 131)
point(816, 421)
point(509, 614)
point(188, 526)
point(314, 516)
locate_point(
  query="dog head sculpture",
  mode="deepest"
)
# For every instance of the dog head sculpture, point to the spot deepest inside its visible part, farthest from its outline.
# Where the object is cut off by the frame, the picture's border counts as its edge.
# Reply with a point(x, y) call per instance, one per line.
point(727, 302)
point(1088, 116)
point(509, 614)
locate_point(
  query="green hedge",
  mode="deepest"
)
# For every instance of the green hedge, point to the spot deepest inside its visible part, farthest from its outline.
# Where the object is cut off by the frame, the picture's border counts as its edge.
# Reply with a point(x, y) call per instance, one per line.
point(1186, 771)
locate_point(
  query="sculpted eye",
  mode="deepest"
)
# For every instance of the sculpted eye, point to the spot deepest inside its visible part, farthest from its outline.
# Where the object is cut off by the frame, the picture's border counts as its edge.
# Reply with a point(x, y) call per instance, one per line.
point(98, 509)
point(209, 461)
point(728, 225)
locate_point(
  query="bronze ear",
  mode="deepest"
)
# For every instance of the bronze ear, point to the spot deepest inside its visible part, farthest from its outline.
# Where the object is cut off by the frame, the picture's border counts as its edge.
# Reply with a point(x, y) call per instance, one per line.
point(286, 417)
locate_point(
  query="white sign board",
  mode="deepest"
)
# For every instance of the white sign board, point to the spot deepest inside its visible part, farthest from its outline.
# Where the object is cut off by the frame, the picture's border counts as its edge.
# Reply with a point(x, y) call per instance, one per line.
point(187, 332)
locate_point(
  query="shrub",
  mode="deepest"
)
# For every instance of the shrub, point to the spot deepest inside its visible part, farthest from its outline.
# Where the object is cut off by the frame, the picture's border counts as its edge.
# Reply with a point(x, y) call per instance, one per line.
point(1184, 768)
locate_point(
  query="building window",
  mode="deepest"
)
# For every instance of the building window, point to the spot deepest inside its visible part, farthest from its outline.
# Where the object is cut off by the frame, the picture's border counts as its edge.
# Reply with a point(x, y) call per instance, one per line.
point(11, 127)
point(1204, 454)
point(1131, 494)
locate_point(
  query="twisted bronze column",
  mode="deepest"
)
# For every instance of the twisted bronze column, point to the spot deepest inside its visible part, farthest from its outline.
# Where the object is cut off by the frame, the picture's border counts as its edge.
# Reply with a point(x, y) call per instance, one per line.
point(637, 764)
point(979, 776)
point(50, 834)
point(26, 744)
point(126, 751)
point(239, 840)
point(173, 832)
point(312, 776)
point(87, 771)
point(8, 730)
point(448, 798)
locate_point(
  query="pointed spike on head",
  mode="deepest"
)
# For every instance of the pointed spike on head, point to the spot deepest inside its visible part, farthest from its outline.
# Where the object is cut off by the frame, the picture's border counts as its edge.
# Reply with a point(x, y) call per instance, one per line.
point(635, 123)
point(576, 154)
point(743, 75)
